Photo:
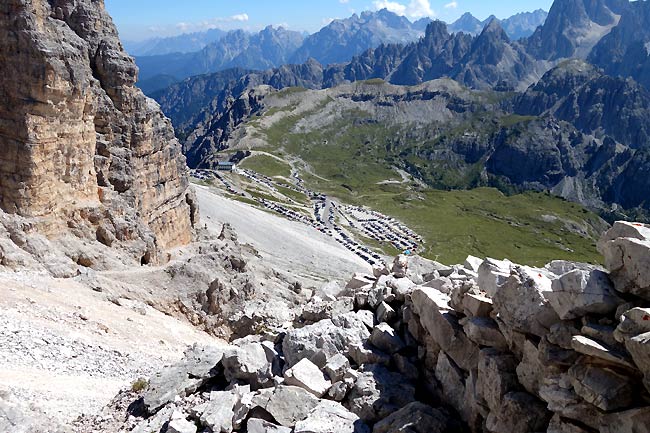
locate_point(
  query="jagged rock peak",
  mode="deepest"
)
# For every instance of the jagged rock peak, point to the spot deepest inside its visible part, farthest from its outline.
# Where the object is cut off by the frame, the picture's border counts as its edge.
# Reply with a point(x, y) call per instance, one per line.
point(495, 31)
point(81, 148)
point(437, 30)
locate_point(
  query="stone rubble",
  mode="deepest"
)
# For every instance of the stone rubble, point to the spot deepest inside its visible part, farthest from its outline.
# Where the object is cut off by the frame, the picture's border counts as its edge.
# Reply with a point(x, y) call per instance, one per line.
point(538, 350)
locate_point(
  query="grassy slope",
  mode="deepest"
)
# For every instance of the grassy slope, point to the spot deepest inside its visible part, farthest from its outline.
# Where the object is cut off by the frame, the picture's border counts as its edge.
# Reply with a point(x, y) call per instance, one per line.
point(266, 165)
point(482, 222)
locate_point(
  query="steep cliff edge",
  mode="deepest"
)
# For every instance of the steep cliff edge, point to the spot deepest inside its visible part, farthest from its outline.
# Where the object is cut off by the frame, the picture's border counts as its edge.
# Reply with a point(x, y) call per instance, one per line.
point(82, 150)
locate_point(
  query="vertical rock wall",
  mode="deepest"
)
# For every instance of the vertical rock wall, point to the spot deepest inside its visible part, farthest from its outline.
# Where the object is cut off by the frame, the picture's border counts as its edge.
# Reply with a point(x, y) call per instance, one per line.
point(81, 147)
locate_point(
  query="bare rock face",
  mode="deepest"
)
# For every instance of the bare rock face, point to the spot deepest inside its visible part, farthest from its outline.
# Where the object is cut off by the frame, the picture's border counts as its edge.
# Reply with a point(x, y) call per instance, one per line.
point(82, 150)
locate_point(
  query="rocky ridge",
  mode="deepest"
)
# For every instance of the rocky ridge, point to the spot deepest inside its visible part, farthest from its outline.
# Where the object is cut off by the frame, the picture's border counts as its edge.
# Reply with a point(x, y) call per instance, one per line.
point(577, 133)
point(88, 162)
point(486, 346)
point(518, 26)
point(270, 47)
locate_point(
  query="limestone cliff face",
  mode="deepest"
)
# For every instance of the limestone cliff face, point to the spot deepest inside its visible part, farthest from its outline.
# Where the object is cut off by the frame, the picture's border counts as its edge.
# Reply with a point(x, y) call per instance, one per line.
point(81, 148)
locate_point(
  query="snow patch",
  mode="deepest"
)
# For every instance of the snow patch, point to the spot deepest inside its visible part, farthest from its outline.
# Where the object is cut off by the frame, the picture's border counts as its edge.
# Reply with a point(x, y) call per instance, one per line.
point(647, 48)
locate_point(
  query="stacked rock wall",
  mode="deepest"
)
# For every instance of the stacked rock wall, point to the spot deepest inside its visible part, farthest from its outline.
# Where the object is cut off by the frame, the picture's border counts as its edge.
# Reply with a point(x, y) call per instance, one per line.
point(559, 349)
point(81, 147)
point(487, 346)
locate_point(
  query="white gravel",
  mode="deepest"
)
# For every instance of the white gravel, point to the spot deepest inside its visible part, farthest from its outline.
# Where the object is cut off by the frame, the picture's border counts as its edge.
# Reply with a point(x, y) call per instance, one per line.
point(292, 247)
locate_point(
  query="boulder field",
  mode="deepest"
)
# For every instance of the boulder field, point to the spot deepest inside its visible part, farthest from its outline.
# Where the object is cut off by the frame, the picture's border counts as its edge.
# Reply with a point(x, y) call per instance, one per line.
point(487, 346)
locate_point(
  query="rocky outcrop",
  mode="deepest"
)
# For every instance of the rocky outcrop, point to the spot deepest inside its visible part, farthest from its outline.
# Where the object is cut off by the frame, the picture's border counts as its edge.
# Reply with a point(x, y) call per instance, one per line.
point(583, 95)
point(573, 27)
point(624, 51)
point(512, 348)
point(83, 152)
point(517, 26)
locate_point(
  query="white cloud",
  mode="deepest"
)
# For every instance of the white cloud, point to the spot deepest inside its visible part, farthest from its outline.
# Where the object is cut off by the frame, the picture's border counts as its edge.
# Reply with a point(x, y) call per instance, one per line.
point(344, 1)
point(212, 23)
point(239, 17)
point(415, 9)
point(451, 5)
point(420, 9)
point(395, 7)
point(183, 27)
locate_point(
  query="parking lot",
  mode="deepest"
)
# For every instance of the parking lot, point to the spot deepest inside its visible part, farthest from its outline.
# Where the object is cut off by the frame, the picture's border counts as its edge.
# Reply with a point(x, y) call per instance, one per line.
point(344, 223)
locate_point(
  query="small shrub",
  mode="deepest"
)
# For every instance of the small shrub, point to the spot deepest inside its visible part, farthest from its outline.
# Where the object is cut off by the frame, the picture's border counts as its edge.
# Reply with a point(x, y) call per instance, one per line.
point(139, 385)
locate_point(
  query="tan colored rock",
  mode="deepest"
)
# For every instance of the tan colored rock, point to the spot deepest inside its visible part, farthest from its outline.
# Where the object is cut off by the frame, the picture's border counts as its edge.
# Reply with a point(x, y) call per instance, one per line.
point(630, 421)
point(496, 376)
point(477, 305)
point(484, 332)
point(82, 150)
point(599, 350)
point(452, 380)
point(443, 326)
point(603, 387)
point(519, 413)
point(639, 348)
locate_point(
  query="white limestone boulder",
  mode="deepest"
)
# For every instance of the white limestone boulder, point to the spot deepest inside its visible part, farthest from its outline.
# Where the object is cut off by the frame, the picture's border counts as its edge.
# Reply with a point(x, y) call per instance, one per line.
point(522, 302)
point(181, 425)
point(626, 248)
point(476, 305)
point(520, 412)
point(219, 411)
point(306, 375)
point(496, 376)
point(287, 404)
point(473, 263)
point(378, 393)
point(336, 367)
point(386, 339)
point(247, 362)
point(581, 292)
point(639, 348)
point(492, 274)
point(329, 417)
point(605, 388)
point(601, 351)
point(633, 322)
point(182, 378)
point(442, 325)
point(322, 340)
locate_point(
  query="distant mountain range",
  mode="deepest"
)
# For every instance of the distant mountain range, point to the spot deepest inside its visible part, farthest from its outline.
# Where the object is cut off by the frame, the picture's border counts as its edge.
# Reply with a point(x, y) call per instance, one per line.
point(516, 27)
point(271, 47)
point(342, 39)
point(161, 64)
point(583, 124)
point(185, 43)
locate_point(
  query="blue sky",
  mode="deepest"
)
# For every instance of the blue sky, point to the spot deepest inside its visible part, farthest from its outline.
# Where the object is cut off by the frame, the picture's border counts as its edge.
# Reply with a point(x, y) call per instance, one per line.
point(140, 19)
